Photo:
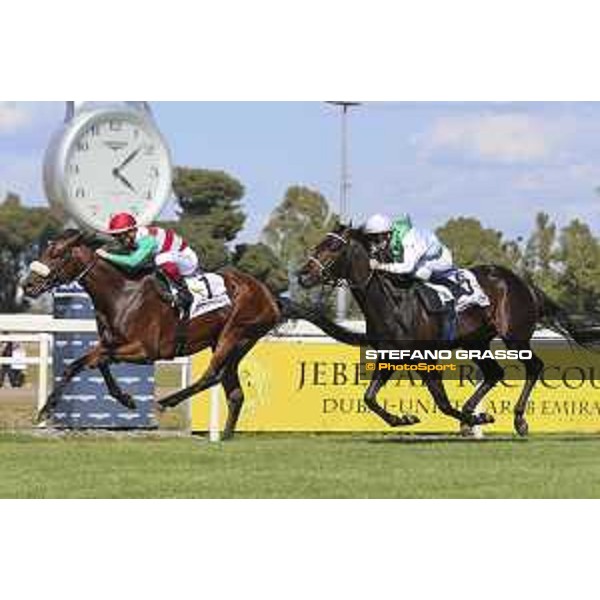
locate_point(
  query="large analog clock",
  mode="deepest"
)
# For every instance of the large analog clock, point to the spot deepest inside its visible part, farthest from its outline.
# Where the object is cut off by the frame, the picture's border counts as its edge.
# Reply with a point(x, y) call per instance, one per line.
point(106, 160)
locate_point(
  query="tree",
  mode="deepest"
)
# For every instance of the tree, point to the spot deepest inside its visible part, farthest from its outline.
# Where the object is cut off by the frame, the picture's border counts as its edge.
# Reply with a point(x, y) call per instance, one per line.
point(541, 256)
point(213, 196)
point(24, 231)
point(210, 216)
point(261, 262)
point(213, 252)
point(297, 224)
point(472, 244)
point(579, 276)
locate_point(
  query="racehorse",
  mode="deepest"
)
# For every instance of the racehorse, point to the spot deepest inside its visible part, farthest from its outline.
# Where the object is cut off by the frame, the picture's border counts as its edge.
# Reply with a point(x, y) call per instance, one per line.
point(395, 319)
point(136, 325)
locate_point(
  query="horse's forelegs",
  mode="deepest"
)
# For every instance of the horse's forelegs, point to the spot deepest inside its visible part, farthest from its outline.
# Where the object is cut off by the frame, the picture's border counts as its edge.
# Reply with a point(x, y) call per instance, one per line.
point(492, 373)
point(113, 387)
point(88, 360)
point(380, 378)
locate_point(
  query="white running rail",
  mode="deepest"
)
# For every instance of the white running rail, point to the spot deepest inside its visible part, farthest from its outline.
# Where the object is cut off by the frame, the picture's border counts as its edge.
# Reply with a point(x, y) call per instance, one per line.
point(39, 329)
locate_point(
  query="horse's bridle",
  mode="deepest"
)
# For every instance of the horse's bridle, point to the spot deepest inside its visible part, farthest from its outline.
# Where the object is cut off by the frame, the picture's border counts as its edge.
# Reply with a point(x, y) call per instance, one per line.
point(53, 276)
point(324, 269)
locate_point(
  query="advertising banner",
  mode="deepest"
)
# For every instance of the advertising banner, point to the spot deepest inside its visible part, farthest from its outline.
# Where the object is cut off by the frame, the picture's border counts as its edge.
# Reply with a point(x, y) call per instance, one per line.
point(295, 385)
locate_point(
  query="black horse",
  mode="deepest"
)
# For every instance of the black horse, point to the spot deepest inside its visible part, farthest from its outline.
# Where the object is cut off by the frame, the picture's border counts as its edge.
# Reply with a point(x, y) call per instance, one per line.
point(397, 319)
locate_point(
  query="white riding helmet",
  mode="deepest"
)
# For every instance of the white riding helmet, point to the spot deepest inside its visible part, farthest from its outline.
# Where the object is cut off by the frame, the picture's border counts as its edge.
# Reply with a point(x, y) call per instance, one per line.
point(378, 224)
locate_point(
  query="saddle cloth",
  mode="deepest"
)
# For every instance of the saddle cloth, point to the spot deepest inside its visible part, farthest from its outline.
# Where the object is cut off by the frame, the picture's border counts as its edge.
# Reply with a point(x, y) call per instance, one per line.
point(209, 293)
point(473, 294)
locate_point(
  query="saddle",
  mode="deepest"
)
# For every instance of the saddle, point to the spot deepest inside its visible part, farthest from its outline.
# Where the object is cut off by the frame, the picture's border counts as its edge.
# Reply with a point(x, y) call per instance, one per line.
point(409, 294)
point(208, 294)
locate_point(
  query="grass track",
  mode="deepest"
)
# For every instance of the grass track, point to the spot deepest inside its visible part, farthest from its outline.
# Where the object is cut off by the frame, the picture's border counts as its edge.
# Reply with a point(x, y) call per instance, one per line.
point(265, 466)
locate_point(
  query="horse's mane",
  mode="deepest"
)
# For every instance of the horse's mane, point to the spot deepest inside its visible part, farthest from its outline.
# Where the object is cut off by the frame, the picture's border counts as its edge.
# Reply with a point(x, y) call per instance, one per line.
point(87, 238)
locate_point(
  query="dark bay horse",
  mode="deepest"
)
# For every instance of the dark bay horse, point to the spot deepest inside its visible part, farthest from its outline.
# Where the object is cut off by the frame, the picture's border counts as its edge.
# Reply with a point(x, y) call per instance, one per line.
point(136, 325)
point(516, 307)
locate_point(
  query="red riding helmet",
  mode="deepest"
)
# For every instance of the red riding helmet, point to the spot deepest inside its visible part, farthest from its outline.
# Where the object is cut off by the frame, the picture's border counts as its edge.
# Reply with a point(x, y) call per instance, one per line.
point(122, 222)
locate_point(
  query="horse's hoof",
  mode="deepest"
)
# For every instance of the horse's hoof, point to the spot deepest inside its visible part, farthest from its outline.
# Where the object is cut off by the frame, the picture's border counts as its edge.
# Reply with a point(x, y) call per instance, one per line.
point(404, 420)
point(128, 402)
point(521, 426)
point(467, 431)
point(42, 415)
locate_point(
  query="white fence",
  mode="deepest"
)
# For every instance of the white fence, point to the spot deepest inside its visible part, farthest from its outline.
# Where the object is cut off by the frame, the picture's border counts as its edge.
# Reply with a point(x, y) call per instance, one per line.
point(39, 329)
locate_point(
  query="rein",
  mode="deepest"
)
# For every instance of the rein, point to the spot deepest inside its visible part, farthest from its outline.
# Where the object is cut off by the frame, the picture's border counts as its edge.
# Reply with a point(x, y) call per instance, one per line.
point(87, 268)
point(53, 275)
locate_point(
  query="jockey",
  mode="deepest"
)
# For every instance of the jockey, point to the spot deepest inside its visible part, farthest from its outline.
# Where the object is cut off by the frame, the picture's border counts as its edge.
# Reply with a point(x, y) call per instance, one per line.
point(170, 253)
point(404, 250)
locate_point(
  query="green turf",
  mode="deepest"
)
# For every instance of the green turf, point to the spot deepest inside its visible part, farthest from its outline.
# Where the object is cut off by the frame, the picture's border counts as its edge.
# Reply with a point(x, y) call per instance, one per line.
point(297, 467)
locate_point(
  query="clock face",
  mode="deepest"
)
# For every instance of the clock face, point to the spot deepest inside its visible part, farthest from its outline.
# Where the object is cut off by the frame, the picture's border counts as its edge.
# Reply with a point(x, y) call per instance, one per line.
point(115, 162)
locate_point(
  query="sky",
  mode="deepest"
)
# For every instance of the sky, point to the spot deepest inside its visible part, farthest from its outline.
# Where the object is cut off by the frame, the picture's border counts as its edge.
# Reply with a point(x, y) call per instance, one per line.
point(499, 162)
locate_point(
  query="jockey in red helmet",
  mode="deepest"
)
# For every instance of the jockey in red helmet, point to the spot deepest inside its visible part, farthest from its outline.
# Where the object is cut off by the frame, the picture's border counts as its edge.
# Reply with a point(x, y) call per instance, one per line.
point(170, 253)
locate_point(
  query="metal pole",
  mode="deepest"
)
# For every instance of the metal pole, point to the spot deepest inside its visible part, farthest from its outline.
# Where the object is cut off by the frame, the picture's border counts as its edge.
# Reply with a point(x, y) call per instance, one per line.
point(214, 431)
point(345, 186)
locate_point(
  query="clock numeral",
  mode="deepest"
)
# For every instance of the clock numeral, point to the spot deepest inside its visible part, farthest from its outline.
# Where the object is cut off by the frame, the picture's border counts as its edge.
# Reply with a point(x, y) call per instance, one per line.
point(136, 134)
point(79, 193)
point(154, 172)
point(83, 146)
point(73, 169)
point(149, 195)
point(149, 149)
point(94, 131)
point(115, 125)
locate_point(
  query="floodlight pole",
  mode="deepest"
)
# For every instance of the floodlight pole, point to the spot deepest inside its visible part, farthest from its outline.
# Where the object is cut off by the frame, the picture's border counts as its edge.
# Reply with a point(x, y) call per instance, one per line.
point(345, 185)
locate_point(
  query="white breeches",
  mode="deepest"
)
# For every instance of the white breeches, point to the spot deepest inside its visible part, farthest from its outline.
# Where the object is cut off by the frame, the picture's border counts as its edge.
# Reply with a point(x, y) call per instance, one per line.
point(426, 268)
point(186, 260)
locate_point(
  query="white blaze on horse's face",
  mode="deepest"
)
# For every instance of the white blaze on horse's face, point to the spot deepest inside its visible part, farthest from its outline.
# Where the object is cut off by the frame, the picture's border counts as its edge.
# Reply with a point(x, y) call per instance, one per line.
point(39, 268)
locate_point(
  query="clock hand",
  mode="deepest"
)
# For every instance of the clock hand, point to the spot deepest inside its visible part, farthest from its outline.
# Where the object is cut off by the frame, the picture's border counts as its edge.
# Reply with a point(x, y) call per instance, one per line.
point(128, 160)
point(123, 180)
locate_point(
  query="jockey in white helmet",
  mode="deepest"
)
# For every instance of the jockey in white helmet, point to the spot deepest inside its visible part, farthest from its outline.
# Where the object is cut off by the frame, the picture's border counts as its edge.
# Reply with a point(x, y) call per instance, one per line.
point(397, 247)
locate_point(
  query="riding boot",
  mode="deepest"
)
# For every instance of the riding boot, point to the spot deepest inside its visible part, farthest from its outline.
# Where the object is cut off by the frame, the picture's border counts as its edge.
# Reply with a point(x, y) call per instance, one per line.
point(184, 298)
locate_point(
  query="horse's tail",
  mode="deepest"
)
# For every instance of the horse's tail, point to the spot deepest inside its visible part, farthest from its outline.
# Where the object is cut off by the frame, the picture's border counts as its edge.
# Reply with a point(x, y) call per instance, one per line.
point(555, 317)
point(292, 310)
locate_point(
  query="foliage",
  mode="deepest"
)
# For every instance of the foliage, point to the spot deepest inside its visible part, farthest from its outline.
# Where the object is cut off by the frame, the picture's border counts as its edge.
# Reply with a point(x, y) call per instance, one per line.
point(213, 196)
point(579, 275)
point(23, 233)
point(261, 262)
point(472, 244)
point(299, 222)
